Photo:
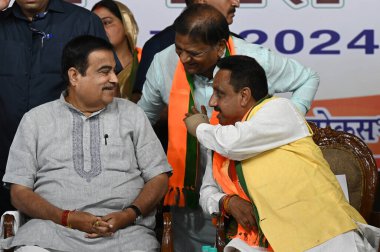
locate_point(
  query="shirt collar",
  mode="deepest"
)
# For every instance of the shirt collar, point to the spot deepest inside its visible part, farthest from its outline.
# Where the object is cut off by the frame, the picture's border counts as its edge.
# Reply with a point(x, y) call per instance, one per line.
point(68, 105)
point(53, 5)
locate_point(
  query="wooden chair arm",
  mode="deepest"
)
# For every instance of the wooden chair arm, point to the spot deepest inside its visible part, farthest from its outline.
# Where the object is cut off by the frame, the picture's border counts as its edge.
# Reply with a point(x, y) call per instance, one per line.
point(220, 233)
point(8, 225)
point(167, 234)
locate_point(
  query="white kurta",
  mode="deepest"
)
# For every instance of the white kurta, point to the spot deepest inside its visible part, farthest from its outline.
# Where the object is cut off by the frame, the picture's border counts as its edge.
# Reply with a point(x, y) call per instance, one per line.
point(277, 123)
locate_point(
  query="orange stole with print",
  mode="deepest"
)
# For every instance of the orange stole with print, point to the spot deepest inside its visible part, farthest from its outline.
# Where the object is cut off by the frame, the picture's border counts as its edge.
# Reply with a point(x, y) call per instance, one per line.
point(179, 100)
point(224, 173)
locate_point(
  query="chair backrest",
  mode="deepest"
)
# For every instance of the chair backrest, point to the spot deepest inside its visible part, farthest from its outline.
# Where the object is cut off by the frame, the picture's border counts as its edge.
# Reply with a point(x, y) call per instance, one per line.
point(348, 154)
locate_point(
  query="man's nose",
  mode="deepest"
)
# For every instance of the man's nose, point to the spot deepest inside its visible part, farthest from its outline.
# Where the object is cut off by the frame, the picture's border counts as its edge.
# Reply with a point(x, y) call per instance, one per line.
point(236, 3)
point(113, 77)
point(184, 57)
point(212, 102)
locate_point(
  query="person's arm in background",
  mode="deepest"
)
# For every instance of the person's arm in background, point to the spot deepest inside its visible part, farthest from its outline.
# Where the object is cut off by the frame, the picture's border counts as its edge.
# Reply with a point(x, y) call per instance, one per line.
point(288, 75)
point(151, 101)
point(285, 75)
point(151, 47)
point(154, 45)
point(4, 4)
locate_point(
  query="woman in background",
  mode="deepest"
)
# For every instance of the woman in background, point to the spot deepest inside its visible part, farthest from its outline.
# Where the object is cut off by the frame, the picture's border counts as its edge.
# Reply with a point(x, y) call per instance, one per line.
point(122, 31)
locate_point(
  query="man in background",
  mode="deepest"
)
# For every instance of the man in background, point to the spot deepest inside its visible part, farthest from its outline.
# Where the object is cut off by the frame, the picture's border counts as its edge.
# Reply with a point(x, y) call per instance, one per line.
point(162, 40)
point(181, 76)
point(166, 37)
point(32, 36)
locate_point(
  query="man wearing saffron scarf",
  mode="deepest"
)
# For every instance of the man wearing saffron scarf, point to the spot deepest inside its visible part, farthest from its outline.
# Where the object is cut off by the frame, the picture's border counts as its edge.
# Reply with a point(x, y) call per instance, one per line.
point(181, 76)
point(281, 191)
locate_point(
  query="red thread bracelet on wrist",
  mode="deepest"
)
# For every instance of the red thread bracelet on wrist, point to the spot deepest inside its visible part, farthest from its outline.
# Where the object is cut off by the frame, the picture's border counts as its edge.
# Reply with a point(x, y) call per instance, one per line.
point(65, 215)
point(226, 201)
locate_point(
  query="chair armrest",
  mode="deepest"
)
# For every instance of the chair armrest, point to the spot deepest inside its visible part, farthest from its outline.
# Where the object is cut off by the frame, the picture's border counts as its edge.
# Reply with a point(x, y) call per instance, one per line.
point(8, 225)
point(8, 228)
point(220, 240)
point(167, 236)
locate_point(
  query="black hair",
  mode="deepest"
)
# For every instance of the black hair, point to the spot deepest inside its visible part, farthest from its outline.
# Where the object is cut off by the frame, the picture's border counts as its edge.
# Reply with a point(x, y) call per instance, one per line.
point(109, 5)
point(202, 23)
point(76, 51)
point(246, 72)
point(189, 2)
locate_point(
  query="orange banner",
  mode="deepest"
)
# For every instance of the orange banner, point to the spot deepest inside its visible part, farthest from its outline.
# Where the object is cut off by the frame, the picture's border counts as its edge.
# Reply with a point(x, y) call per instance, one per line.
point(357, 115)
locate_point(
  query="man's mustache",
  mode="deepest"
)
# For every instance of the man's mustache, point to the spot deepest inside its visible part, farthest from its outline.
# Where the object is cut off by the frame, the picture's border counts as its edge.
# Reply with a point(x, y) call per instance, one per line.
point(216, 108)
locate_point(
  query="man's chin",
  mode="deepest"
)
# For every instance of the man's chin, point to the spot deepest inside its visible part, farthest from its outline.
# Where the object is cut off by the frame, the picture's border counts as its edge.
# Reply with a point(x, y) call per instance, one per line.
point(221, 120)
point(230, 19)
point(191, 70)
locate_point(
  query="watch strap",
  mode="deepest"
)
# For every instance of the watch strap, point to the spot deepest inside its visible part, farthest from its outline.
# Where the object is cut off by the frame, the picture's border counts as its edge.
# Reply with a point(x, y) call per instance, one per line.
point(135, 209)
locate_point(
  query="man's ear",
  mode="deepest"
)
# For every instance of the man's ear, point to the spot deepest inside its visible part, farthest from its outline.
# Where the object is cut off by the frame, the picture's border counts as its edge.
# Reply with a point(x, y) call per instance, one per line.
point(73, 75)
point(246, 97)
point(221, 47)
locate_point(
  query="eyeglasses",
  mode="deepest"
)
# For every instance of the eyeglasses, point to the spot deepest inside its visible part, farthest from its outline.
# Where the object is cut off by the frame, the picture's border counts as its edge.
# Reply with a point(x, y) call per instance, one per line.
point(193, 55)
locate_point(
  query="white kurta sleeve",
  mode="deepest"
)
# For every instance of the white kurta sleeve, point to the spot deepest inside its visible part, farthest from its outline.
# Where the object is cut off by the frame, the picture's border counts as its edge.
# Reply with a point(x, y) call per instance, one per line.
point(151, 100)
point(210, 192)
point(277, 123)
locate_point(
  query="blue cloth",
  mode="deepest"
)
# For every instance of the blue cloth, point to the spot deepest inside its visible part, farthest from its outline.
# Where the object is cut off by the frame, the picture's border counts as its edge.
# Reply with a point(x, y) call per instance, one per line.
point(30, 72)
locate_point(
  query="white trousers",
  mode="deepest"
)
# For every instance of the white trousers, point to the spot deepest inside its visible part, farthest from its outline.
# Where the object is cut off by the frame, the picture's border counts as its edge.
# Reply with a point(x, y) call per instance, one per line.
point(364, 239)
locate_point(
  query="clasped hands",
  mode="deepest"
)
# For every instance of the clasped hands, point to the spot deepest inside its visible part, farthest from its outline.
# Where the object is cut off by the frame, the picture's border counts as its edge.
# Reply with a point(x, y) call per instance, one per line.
point(100, 226)
point(194, 118)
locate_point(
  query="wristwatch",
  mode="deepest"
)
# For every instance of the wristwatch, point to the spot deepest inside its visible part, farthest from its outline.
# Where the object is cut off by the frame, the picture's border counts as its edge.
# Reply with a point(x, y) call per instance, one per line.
point(137, 212)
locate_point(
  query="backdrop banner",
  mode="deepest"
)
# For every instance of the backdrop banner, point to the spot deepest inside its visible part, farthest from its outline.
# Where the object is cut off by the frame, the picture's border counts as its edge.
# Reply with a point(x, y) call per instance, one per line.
point(338, 38)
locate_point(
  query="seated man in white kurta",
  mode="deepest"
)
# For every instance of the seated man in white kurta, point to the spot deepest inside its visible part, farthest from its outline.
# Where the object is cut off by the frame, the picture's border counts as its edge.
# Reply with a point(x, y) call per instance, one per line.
point(268, 174)
point(87, 169)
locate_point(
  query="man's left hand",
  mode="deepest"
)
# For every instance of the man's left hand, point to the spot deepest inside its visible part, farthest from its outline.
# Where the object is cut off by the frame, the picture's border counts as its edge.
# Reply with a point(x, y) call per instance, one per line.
point(193, 119)
point(242, 212)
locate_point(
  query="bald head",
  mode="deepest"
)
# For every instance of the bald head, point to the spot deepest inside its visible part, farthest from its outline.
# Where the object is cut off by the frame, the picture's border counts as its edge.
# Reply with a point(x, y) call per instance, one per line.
point(202, 23)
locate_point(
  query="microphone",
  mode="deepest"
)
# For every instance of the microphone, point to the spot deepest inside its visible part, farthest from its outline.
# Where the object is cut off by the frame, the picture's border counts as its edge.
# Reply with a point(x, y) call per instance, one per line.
point(105, 138)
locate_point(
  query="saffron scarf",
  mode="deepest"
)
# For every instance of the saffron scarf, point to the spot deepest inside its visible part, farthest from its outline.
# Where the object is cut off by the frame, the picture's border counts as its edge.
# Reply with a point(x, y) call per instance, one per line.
point(229, 175)
point(183, 149)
